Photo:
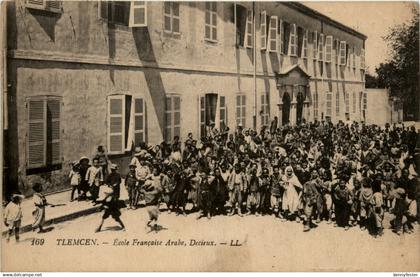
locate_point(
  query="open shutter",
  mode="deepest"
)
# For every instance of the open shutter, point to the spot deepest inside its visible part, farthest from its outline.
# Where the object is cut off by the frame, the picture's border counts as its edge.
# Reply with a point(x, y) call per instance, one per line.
point(263, 30)
point(138, 14)
point(272, 35)
point(328, 49)
point(139, 120)
point(202, 115)
point(103, 7)
point(281, 35)
point(36, 4)
point(321, 47)
point(36, 145)
point(53, 131)
point(54, 6)
point(315, 45)
point(223, 113)
point(248, 33)
point(116, 124)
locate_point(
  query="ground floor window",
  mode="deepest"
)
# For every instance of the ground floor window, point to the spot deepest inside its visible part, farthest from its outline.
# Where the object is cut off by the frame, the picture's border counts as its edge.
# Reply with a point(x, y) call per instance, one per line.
point(126, 122)
point(44, 132)
point(172, 117)
point(241, 110)
point(265, 109)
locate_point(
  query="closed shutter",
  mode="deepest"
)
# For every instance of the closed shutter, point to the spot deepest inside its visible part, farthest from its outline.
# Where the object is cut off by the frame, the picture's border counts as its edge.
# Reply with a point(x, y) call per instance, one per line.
point(139, 120)
point(116, 124)
point(53, 131)
point(36, 147)
point(138, 14)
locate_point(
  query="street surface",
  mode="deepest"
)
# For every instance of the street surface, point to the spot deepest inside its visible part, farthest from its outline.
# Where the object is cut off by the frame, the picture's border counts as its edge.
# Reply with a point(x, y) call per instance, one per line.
point(266, 244)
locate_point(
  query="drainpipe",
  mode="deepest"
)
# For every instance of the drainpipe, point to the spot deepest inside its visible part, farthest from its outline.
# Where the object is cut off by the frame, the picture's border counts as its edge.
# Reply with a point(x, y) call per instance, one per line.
point(3, 39)
point(255, 66)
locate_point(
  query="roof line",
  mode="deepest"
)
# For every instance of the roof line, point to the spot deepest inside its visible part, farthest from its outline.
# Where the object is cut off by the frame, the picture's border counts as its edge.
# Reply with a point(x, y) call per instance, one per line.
point(311, 12)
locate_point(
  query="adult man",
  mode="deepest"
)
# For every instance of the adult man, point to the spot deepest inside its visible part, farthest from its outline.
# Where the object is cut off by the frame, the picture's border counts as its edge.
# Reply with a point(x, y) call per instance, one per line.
point(236, 185)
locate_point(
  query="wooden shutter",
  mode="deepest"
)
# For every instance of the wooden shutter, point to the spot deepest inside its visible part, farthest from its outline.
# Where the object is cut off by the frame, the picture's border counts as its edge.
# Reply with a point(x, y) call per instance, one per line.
point(36, 137)
point(177, 116)
point(103, 8)
point(315, 45)
point(263, 30)
point(272, 34)
point(54, 6)
point(202, 115)
point(281, 36)
point(223, 113)
point(116, 124)
point(36, 4)
point(139, 120)
point(248, 33)
point(138, 14)
point(53, 131)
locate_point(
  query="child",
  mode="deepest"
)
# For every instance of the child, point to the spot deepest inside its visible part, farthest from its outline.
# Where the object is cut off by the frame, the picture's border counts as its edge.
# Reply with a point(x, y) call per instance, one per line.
point(39, 213)
point(102, 159)
point(365, 198)
point(75, 179)
point(131, 184)
point(152, 189)
point(111, 207)
point(94, 177)
point(342, 202)
point(13, 216)
point(378, 213)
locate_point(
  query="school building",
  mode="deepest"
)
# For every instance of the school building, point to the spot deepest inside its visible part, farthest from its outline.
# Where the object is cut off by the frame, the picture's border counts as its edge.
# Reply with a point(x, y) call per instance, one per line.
point(88, 73)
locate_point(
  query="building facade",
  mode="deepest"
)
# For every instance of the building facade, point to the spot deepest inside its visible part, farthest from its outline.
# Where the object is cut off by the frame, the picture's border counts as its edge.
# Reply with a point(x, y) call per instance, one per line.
point(82, 74)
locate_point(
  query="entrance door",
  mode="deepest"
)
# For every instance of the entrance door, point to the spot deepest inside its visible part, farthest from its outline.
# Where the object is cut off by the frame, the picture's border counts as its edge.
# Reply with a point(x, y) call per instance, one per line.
point(299, 107)
point(286, 109)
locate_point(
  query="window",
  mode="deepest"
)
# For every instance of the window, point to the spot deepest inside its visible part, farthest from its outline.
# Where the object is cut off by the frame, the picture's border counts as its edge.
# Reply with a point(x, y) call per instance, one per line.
point(263, 30)
point(316, 105)
point(354, 101)
point(364, 101)
point(211, 21)
point(172, 117)
point(223, 113)
point(353, 56)
point(328, 49)
point(362, 59)
point(293, 41)
point(44, 133)
point(321, 47)
point(241, 110)
point(241, 14)
point(337, 50)
point(342, 53)
point(128, 13)
point(171, 15)
point(248, 32)
point(126, 122)
point(315, 45)
point(207, 111)
point(281, 32)
point(51, 6)
point(265, 109)
point(329, 103)
point(139, 120)
point(272, 35)
point(347, 100)
point(304, 53)
point(337, 103)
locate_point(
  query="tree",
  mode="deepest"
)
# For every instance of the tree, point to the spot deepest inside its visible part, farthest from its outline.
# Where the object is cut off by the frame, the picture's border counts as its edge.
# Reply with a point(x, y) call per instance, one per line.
point(401, 72)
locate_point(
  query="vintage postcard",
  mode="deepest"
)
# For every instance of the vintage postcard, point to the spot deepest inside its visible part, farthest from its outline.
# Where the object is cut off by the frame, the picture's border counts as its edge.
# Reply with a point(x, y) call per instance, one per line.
point(210, 136)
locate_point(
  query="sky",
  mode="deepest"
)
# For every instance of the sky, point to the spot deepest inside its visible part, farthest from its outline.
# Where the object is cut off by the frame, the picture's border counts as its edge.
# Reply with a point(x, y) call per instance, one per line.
point(370, 18)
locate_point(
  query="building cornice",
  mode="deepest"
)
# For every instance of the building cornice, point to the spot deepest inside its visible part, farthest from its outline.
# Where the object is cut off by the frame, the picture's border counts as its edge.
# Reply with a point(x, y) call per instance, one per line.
point(43, 56)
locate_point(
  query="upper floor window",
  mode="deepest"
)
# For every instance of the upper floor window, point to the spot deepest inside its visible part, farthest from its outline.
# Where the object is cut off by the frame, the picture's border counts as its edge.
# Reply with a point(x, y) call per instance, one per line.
point(315, 45)
point(321, 47)
point(342, 53)
point(272, 35)
point(129, 13)
point(171, 14)
point(328, 49)
point(248, 30)
point(51, 6)
point(362, 59)
point(44, 131)
point(210, 32)
point(305, 45)
point(293, 40)
point(263, 30)
point(353, 57)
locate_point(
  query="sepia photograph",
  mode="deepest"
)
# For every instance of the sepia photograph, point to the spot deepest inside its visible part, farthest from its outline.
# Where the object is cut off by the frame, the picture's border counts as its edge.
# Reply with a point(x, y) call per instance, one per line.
point(225, 136)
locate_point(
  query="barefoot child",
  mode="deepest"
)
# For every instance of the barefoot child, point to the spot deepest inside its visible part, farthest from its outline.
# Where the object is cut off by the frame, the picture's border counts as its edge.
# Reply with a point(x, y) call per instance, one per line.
point(75, 179)
point(13, 216)
point(39, 213)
